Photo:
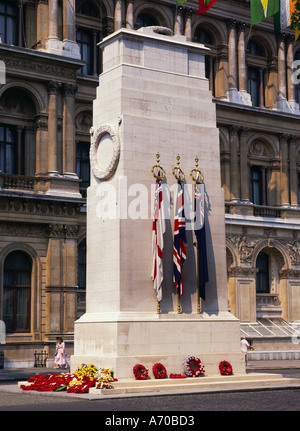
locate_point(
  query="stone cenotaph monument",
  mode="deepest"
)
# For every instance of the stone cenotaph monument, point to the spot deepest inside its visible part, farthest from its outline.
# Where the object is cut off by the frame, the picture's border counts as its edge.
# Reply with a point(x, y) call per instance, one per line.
point(152, 98)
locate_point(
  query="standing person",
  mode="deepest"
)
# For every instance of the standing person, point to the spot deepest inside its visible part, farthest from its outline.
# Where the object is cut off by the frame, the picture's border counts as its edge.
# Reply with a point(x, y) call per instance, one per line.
point(60, 354)
point(245, 346)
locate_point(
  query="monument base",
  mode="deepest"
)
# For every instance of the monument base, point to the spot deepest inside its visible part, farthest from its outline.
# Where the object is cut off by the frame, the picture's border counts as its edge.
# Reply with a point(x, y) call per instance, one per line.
point(125, 339)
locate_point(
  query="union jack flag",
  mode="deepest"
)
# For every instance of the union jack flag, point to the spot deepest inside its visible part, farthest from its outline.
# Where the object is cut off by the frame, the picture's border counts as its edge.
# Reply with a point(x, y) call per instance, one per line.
point(199, 228)
point(180, 245)
point(158, 229)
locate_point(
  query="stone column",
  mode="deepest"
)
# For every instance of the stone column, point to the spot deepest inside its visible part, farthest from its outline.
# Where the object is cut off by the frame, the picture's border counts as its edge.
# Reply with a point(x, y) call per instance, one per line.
point(69, 153)
point(178, 20)
point(118, 15)
point(129, 14)
point(234, 174)
point(41, 147)
point(293, 172)
point(70, 46)
point(188, 23)
point(52, 124)
point(232, 69)
point(289, 65)
point(244, 169)
point(281, 96)
point(20, 19)
point(53, 44)
point(284, 170)
point(242, 57)
point(42, 23)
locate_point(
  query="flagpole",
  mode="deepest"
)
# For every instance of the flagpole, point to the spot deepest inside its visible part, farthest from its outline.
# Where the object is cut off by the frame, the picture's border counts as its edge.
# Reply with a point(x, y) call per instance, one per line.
point(198, 178)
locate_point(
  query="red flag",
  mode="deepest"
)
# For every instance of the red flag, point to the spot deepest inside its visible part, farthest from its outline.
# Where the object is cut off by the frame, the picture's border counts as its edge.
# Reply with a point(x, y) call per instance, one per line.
point(205, 5)
point(158, 229)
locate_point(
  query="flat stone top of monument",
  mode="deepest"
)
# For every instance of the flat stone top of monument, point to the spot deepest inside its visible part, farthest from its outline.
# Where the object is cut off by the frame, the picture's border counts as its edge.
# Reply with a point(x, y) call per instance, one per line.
point(154, 32)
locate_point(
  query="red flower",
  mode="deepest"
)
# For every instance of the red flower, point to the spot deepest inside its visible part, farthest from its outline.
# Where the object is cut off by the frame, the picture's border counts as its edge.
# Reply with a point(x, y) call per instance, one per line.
point(225, 368)
point(140, 372)
point(159, 371)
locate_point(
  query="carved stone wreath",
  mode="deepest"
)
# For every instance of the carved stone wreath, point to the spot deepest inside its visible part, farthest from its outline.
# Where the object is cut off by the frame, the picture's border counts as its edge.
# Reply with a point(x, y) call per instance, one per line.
point(96, 136)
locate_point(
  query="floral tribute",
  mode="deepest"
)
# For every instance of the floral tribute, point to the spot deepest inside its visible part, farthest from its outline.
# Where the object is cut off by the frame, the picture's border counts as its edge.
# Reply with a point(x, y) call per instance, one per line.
point(177, 376)
point(193, 366)
point(140, 372)
point(79, 382)
point(159, 371)
point(225, 368)
point(105, 378)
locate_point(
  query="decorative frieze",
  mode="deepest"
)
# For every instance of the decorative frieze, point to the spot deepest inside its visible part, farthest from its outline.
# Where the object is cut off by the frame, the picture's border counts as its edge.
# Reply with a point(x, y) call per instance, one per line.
point(38, 207)
point(244, 246)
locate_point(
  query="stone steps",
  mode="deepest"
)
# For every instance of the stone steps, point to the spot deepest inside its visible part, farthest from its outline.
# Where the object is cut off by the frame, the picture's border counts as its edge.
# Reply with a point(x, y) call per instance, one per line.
point(213, 383)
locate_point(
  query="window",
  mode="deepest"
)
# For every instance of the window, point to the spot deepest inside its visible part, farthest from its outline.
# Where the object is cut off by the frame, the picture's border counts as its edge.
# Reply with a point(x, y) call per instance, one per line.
point(8, 145)
point(83, 165)
point(17, 292)
point(253, 85)
point(145, 20)
point(202, 36)
point(254, 48)
point(257, 185)
point(82, 265)
point(86, 8)
point(84, 40)
point(262, 276)
point(8, 23)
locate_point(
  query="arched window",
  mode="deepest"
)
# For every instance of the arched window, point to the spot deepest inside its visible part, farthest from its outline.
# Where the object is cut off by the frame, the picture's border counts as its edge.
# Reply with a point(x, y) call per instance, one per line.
point(83, 165)
point(262, 276)
point(257, 63)
point(86, 8)
point(257, 185)
point(254, 48)
point(253, 85)
point(8, 149)
point(82, 265)
point(204, 37)
point(8, 22)
point(17, 292)
point(145, 20)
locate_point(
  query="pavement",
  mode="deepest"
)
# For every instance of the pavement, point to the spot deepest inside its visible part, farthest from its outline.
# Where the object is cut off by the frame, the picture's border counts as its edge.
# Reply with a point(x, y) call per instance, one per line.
point(22, 374)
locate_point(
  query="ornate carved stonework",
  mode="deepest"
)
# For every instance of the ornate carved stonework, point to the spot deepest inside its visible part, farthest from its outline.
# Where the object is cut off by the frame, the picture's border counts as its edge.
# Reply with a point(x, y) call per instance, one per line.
point(106, 172)
point(22, 229)
point(245, 246)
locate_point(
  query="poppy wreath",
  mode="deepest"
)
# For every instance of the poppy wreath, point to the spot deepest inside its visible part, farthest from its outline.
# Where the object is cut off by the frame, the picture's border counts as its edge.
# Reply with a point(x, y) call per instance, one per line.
point(225, 368)
point(192, 366)
point(140, 372)
point(159, 371)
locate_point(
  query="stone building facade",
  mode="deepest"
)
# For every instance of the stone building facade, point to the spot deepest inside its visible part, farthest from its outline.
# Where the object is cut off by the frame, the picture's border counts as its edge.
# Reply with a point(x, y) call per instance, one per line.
point(52, 63)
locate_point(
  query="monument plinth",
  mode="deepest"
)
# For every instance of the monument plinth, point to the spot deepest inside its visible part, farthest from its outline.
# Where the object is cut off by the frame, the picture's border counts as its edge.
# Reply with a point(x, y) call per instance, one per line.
point(152, 97)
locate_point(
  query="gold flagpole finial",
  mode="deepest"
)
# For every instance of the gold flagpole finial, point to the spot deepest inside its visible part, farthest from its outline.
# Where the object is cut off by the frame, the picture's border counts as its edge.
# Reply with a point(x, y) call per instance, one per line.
point(197, 175)
point(157, 171)
point(177, 171)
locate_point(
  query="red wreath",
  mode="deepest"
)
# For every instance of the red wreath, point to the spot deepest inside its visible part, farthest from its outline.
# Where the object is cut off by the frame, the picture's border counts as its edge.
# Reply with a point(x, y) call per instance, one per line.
point(140, 372)
point(193, 366)
point(159, 371)
point(225, 368)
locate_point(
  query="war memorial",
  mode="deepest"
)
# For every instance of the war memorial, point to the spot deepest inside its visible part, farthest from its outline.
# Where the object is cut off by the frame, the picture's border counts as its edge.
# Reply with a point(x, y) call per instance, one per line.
point(152, 98)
